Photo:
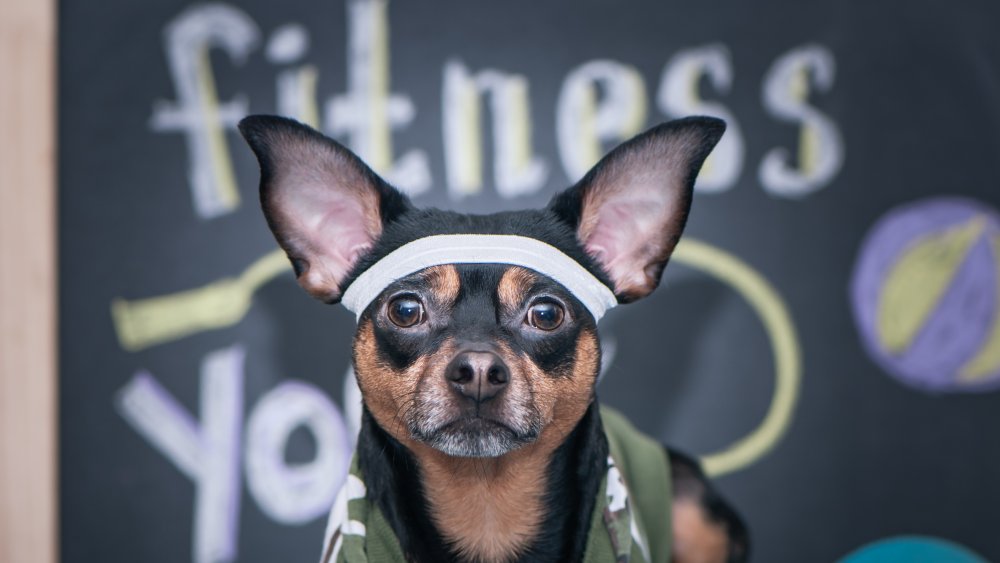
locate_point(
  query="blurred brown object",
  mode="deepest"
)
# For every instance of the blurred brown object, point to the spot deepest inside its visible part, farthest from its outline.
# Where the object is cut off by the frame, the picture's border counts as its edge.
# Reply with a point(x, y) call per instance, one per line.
point(28, 385)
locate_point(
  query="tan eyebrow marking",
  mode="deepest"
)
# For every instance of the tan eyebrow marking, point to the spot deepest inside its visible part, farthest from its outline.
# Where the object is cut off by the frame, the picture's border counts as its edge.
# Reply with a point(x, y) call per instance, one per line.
point(514, 285)
point(443, 282)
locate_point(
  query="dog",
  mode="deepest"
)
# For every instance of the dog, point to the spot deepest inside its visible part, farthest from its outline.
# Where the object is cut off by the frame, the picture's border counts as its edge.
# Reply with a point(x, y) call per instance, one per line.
point(477, 356)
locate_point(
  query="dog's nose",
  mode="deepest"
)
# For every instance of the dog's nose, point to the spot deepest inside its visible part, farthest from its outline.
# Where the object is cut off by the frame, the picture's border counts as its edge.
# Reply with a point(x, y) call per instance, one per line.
point(479, 376)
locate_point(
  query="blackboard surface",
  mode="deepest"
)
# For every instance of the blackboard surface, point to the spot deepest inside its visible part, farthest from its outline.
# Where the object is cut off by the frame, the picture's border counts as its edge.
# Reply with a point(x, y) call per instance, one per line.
point(831, 317)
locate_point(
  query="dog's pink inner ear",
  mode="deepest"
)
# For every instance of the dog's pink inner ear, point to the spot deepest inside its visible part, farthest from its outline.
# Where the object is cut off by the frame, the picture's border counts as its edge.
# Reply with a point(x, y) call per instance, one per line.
point(321, 202)
point(325, 229)
point(635, 202)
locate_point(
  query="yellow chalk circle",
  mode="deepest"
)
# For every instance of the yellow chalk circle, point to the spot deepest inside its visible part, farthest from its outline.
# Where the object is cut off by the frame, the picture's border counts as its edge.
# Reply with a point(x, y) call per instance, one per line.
point(766, 302)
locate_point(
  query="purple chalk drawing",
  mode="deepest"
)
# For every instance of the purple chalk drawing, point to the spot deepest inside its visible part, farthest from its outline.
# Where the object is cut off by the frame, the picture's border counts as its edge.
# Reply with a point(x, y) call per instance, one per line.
point(925, 295)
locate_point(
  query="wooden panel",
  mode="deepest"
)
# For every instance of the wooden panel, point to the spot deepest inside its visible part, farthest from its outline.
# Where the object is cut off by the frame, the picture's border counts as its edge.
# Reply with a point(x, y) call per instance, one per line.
point(28, 476)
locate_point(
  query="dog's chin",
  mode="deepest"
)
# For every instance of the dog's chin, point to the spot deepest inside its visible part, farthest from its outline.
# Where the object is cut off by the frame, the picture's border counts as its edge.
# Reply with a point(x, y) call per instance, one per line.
point(476, 437)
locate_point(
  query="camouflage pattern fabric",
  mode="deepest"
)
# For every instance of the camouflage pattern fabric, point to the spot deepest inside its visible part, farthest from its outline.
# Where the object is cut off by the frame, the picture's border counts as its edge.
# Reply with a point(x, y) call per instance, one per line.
point(356, 531)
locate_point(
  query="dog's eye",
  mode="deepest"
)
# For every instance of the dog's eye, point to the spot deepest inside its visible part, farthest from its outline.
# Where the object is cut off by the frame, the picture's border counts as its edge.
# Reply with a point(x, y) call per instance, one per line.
point(545, 315)
point(406, 311)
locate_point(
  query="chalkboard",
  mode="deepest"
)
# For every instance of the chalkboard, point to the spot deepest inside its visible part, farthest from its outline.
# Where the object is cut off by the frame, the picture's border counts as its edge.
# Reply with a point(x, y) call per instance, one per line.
point(825, 338)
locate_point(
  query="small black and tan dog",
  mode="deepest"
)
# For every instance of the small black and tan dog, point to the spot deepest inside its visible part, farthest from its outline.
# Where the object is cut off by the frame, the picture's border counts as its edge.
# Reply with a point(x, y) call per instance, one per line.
point(477, 356)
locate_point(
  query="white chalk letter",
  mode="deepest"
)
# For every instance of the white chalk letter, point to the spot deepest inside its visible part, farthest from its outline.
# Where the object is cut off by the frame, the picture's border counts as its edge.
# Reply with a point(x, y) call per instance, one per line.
point(197, 111)
point(295, 494)
point(583, 122)
point(208, 455)
point(821, 151)
point(678, 97)
point(516, 170)
point(368, 113)
point(296, 86)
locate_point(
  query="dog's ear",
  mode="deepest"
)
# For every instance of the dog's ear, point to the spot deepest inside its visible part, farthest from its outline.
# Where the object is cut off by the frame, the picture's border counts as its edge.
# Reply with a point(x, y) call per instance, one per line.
point(324, 205)
point(630, 209)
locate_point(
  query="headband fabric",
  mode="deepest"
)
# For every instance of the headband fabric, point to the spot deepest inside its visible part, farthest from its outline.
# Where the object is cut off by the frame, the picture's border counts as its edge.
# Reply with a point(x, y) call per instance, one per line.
point(480, 249)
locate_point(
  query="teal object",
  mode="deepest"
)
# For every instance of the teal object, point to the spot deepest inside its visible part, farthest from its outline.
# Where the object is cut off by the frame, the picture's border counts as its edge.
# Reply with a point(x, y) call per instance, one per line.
point(913, 549)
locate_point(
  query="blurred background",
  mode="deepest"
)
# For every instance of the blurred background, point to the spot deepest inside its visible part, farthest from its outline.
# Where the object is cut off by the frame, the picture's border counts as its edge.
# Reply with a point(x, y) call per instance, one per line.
point(826, 338)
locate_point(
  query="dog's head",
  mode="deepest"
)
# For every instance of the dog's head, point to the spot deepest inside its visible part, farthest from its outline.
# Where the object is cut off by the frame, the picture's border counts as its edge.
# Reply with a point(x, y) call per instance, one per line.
point(477, 334)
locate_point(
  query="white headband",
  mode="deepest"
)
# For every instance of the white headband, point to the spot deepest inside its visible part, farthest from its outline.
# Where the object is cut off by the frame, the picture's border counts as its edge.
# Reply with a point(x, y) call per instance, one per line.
point(480, 249)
